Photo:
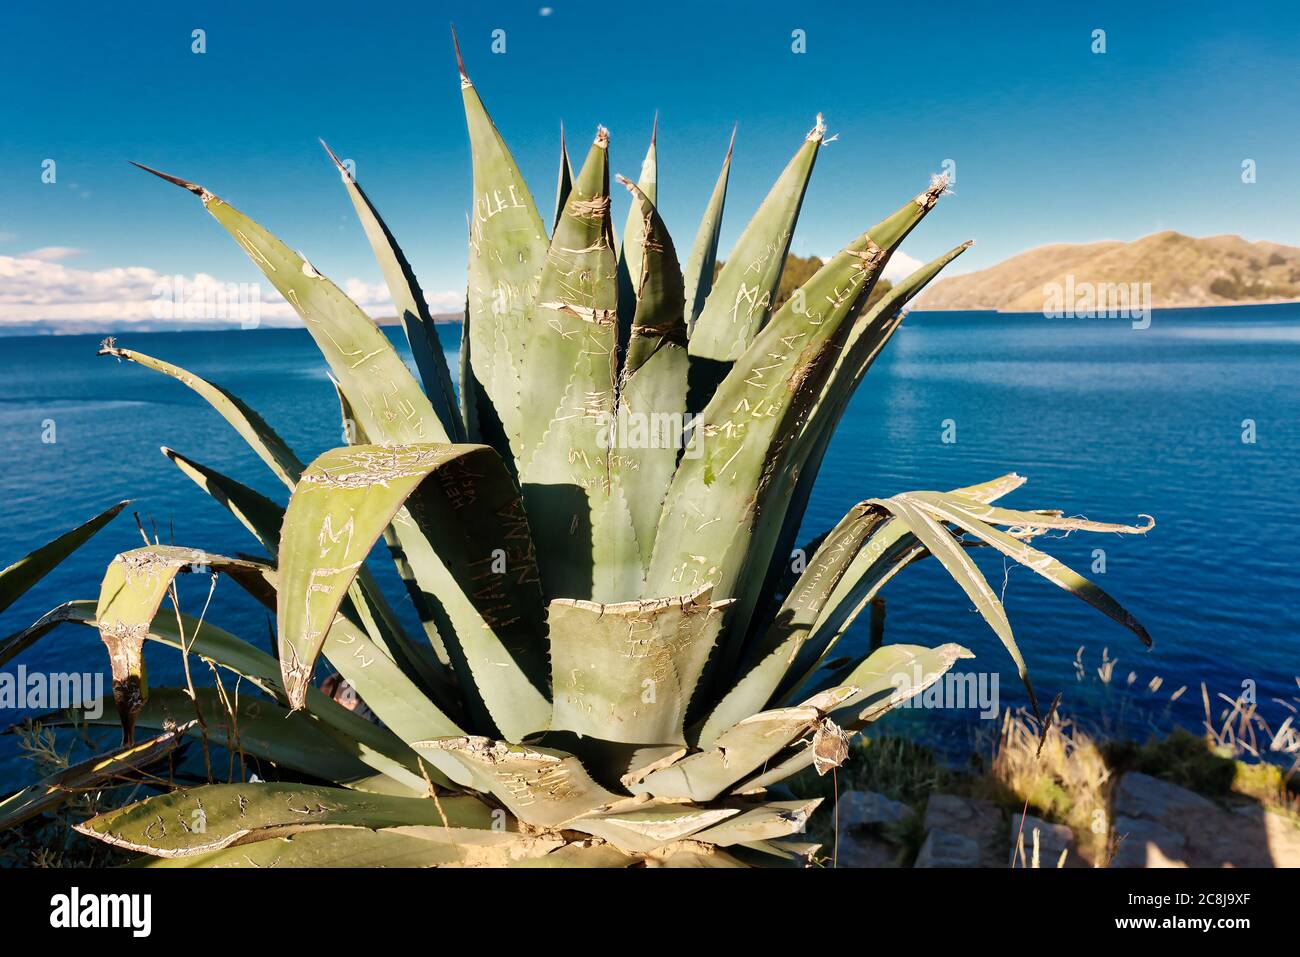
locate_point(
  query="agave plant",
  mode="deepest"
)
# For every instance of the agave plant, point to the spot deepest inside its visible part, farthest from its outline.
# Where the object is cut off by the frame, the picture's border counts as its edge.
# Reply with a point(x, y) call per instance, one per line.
point(620, 661)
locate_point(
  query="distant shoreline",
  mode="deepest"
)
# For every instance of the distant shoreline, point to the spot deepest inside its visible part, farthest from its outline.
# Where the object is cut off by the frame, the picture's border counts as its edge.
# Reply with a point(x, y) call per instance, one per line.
point(56, 327)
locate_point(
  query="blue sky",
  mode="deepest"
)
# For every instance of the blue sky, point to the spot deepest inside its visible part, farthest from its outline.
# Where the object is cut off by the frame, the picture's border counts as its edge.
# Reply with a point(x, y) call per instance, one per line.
point(1052, 142)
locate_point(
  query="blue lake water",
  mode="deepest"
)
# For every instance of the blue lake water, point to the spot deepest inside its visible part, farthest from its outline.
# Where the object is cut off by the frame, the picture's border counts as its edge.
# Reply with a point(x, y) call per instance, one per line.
point(1106, 421)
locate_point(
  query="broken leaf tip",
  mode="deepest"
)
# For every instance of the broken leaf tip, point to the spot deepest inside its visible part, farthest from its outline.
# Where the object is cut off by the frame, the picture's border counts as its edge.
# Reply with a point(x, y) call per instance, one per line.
point(818, 131)
point(194, 188)
point(602, 138)
point(460, 61)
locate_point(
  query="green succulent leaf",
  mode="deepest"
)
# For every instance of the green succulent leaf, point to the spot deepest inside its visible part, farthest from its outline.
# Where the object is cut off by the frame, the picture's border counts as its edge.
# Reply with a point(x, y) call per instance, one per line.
point(19, 577)
point(760, 822)
point(741, 299)
point(632, 250)
point(943, 546)
point(714, 518)
point(408, 297)
point(626, 672)
point(698, 275)
point(970, 519)
point(251, 726)
point(134, 585)
point(211, 818)
point(777, 650)
point(647, 429)
point(471, 508)
point(252, 428)
point(641, 830)
point(544, 786)
point(582, 521)
point(49, 793)
point(564, 181)
point(888, 677)
point(737, 752)
point(407, 713)
point(386, 398)
point(507, 245)
point(417, 846)
point(889, 548)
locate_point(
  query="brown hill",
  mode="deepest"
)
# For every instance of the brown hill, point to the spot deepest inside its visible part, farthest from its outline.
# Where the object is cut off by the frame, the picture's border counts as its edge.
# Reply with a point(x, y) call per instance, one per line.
point(1182, 271)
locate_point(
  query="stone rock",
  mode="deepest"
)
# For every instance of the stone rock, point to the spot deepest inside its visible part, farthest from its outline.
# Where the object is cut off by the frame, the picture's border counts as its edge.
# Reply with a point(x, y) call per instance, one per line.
point(865, 850)
point(973, 818)
point(949, 849)
point(1141, 796)
point(1207, 835)
point(863, 808)
point(861, 816)
point(1147, 844)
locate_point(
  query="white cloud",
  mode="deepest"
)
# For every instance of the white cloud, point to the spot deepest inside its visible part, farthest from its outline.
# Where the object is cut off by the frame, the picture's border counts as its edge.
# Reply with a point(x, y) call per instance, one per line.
point(50, 254)
point(39, 288)
point(900, 266)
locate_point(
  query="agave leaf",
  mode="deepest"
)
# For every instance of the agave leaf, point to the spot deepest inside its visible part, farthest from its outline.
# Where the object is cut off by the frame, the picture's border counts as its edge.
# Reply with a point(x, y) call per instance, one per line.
point(741, 299)
point(19, 577)
point(760, 822)
point(545, 786)
point(776, 853)
point(429, 676)
point(388, 403)
point(232, 814)
point(698, 275)
point(472, 511)
point(114, 767)
point(507, 246)
point(735, 753)
point(261, 438)
point(300, 740)
point(564, 181)
point(647, 429)
point(692, 859)
point(888, 550)
point(256, 512)
point(884, 680)
point(642, 830)
point(890, 676)
point(868, 335)
point(580, 520)
point(408, 715)
point(626, 672)
point(134, 585)
point(421, 333)
point(794, 621)
point(632, 249)
point(421, 846)
point(383, 393)
point(950, 509)
point(580, 855)
point(710, 516)
point(943, 546)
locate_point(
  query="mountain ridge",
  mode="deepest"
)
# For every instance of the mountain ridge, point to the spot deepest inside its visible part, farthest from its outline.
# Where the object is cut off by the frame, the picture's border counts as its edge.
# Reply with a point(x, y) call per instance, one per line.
point(1183, 271)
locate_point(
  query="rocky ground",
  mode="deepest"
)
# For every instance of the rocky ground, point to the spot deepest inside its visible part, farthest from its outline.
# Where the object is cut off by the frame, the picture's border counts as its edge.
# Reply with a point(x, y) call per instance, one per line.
point(1151, 823)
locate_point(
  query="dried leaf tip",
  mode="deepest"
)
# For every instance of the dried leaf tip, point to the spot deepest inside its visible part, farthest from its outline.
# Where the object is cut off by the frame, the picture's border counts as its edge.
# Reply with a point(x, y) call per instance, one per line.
point(938, 187)
point(602, 138)
point(343, 170)
point(460, 61)
point(654, 130)
point(817, 132)
point(194, 188)
point(731, 145)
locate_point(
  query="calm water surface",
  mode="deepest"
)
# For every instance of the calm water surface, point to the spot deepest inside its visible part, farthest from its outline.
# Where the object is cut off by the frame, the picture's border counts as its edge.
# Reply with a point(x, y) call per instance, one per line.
point(1105, 420)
